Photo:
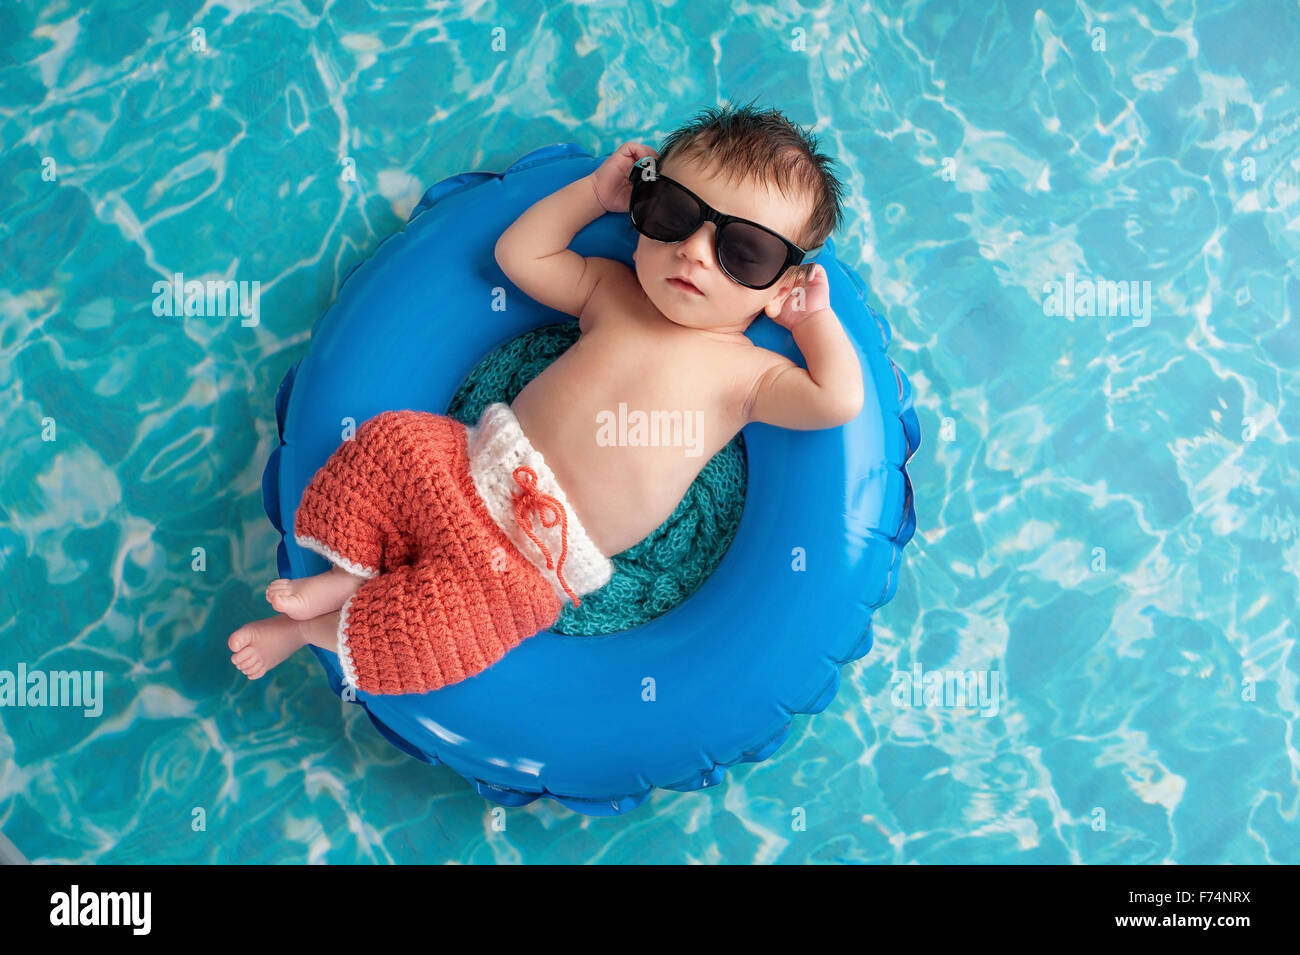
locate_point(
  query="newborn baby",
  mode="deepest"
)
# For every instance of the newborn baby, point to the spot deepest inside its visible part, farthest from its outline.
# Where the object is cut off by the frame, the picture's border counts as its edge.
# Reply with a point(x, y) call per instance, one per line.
point(451, 544)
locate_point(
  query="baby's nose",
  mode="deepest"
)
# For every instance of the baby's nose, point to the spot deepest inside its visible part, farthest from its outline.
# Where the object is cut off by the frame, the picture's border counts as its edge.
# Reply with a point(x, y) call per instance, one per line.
point(700, 243)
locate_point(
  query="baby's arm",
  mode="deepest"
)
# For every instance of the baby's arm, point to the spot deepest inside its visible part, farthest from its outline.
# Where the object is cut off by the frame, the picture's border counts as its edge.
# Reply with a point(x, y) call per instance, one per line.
point(534, 252)
point(826, 394)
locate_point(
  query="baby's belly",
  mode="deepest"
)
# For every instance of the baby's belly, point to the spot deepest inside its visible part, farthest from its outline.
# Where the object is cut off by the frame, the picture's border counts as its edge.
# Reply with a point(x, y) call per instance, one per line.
point(620, 491)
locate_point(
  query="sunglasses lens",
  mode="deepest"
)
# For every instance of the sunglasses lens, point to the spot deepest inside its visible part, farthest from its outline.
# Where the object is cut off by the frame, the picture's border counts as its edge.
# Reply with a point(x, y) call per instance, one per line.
point(753, 256)
point(663, 212)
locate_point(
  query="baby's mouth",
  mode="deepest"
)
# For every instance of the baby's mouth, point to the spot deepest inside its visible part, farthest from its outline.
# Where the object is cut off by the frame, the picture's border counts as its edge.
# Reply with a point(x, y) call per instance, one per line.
point(684, 285)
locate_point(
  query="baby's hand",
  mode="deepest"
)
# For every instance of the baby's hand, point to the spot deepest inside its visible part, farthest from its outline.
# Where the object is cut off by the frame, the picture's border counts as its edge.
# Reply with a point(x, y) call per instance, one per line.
point(803, 300)
point(613, 190)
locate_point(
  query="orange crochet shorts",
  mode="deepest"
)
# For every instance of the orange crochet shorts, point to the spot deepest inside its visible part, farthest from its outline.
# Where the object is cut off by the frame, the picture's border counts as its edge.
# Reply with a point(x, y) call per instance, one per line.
point(465, 538)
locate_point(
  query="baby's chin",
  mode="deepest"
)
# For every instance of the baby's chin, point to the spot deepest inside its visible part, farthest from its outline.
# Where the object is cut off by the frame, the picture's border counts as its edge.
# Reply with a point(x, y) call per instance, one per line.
point(678, 319)
point(669, 310)
point(702, 318)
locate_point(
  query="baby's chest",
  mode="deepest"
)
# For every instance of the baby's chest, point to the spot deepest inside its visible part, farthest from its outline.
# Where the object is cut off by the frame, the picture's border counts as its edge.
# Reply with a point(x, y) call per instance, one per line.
point(666, 372)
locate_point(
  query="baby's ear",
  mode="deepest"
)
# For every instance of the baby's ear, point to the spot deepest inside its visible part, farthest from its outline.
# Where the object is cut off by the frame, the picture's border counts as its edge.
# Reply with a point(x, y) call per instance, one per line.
point(789, 285)
point(776, 304)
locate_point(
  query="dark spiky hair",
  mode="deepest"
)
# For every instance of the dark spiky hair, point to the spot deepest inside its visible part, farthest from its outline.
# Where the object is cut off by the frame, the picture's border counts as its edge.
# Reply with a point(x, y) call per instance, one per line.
point(743, 143)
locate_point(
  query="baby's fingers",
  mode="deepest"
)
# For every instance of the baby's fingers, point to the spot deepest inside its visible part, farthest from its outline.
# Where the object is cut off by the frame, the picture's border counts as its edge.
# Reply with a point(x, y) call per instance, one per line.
point(816, 278)
point(638, 150)
point(631, 153)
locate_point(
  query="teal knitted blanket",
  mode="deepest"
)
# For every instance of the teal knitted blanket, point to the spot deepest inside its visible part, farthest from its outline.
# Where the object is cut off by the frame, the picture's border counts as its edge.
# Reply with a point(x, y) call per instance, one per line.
point(655, 575)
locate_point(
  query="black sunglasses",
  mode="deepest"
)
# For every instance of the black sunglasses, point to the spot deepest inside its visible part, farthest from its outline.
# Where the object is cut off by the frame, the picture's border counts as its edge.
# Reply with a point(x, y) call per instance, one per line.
point(749, 254)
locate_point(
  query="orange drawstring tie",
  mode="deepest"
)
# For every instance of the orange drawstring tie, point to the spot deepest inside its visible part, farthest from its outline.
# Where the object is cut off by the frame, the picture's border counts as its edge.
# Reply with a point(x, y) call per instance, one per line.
point(538, 501)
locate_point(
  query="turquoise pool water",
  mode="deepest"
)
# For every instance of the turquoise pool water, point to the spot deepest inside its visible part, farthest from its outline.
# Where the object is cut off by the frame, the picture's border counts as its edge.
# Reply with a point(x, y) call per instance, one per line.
point(1108, 524)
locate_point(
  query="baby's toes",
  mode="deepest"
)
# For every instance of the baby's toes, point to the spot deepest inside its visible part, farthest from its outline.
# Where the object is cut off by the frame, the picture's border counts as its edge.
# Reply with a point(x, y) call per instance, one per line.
point(278, 586)
point(240, 639)
point(288, 602)
point(245, 658)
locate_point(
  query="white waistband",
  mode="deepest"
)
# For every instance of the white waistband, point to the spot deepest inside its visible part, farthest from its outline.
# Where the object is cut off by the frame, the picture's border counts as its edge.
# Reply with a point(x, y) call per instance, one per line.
point(497, 445)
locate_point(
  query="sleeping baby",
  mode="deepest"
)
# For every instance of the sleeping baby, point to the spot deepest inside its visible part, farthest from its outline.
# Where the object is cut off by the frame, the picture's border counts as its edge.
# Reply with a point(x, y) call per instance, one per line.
point(449, 543)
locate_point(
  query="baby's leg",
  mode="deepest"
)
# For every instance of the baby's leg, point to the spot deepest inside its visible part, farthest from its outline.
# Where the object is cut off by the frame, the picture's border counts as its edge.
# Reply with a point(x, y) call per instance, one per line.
point(308, 597)
point(263, 645)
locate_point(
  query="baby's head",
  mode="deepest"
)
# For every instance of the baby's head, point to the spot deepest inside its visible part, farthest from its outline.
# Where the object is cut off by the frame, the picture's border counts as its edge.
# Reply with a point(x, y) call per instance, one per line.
point(747, 163)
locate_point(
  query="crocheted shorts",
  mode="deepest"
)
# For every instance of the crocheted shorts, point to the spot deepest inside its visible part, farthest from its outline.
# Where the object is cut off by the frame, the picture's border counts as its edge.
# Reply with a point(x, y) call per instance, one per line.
point(466, 540)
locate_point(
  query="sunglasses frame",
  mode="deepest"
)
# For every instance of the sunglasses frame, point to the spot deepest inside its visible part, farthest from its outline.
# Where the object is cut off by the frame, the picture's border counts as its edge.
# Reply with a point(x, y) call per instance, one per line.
point(793, 254)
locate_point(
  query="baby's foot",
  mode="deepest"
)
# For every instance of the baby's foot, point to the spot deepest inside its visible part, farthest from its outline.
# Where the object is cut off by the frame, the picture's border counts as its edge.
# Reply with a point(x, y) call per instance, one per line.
point(264, 644)
point(289, 597)
point(309, 597)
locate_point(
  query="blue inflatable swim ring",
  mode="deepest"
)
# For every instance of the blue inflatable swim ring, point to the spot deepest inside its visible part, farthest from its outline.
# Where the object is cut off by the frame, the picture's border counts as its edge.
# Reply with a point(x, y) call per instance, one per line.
point(569, 717)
